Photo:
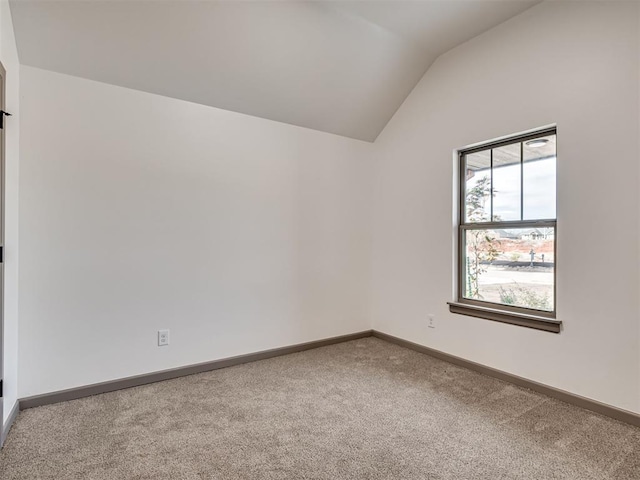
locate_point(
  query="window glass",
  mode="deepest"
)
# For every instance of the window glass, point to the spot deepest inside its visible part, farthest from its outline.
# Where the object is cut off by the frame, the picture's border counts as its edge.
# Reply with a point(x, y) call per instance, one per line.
point(506, 183)
point(539, 182)
point(478, 186)
point(512, 266)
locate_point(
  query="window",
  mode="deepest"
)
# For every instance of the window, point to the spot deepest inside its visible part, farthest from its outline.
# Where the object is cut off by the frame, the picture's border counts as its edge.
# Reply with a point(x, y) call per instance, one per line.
point(507, 231)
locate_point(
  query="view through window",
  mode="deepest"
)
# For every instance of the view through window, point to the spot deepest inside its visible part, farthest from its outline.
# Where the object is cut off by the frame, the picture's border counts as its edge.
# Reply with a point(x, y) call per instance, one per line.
point(508, 224)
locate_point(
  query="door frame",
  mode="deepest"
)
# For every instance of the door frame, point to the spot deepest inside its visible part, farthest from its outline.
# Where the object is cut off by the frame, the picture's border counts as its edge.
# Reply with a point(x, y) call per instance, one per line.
point(3, 81)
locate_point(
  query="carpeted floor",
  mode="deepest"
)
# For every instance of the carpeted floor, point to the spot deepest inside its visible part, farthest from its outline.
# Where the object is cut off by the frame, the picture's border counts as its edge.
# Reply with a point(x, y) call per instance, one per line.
point(365, 409)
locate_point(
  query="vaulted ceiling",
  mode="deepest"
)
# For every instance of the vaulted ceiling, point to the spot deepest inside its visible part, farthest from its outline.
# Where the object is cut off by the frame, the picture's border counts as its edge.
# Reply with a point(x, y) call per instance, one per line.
point(342, 67)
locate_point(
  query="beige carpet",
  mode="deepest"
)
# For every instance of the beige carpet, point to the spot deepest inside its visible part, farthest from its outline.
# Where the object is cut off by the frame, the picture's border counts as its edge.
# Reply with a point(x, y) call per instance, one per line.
point(366, 409)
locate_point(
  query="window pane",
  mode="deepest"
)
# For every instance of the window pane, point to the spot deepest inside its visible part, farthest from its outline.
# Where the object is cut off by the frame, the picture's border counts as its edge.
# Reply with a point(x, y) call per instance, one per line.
point(539, 182)
point(510, 267)
point(478, 186)
point(506, 183)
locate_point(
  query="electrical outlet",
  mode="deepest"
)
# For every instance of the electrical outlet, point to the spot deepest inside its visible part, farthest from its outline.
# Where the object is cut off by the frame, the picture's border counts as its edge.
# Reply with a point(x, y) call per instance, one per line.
point(163, 337)
point(432, 321)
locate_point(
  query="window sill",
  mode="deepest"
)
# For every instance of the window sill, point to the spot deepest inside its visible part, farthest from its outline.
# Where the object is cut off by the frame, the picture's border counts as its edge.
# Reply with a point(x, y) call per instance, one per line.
point(523, 320)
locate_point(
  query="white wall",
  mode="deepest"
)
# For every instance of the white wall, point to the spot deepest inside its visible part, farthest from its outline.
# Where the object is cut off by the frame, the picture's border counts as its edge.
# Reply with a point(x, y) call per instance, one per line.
point(570, 63)
point(9, 59)
point(140, 212)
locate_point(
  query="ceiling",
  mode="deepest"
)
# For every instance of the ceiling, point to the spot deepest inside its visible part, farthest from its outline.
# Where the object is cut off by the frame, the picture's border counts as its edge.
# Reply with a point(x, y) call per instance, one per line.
point(341, 67)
